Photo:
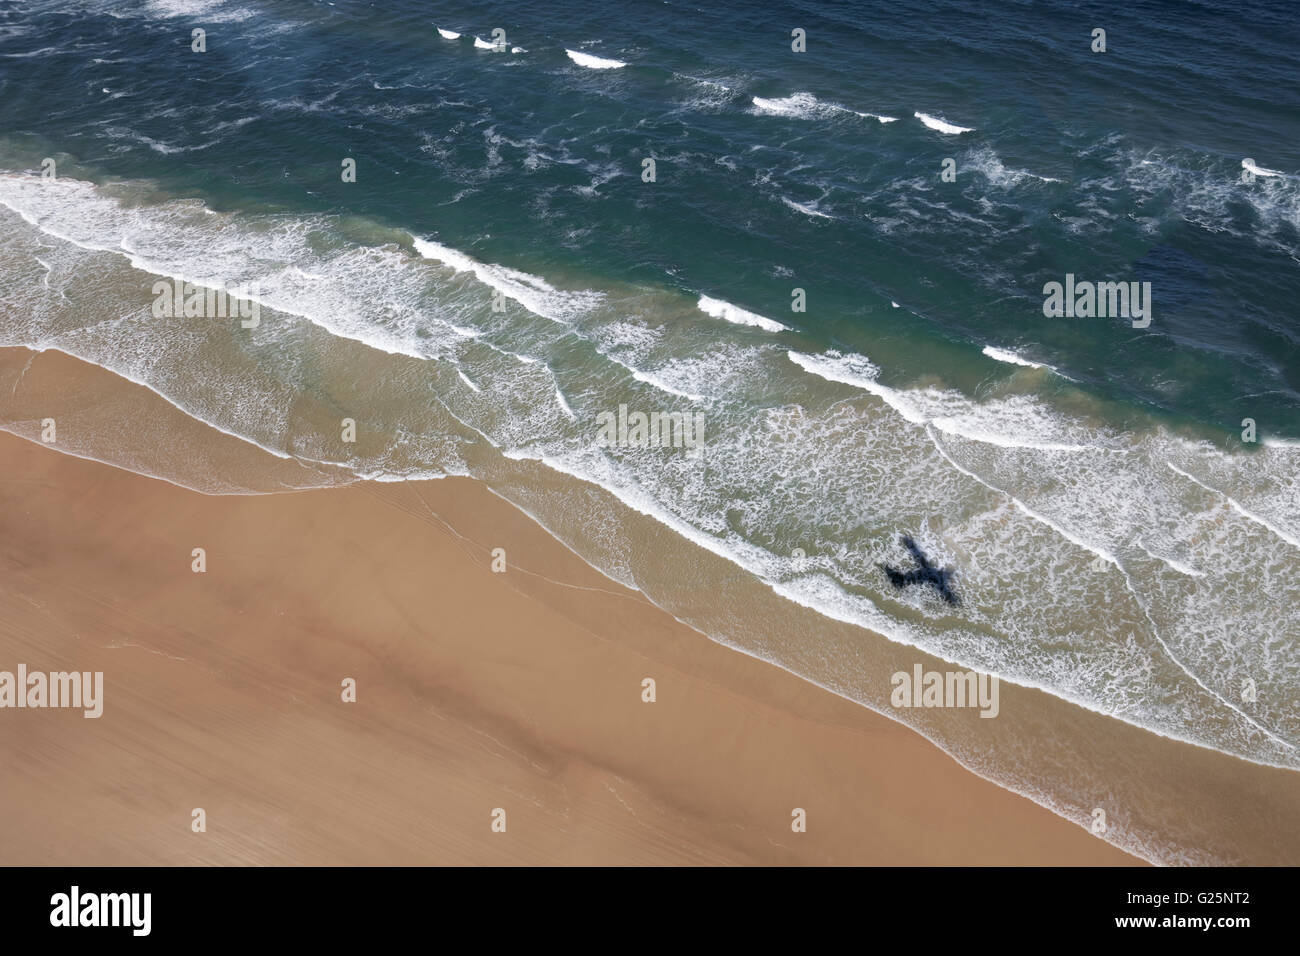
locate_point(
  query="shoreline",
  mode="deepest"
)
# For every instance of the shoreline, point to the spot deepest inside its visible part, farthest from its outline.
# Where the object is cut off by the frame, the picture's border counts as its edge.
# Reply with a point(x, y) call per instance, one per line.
point(518, 690)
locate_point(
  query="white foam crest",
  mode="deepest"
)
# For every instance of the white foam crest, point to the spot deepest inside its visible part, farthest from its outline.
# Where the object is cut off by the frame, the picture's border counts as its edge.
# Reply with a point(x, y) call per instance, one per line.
point(1001, 423)
point(797, 104)
point(564, 405)
point(1011, 358)
point(629, 337)
point(448, 34)
point(1179, 566)
point(481, 44)
point(855, 370)
point(719, 309)
point(594, 62)
point(532, 292)
point(807, 106)
point(1237, 507)
point(1014, 358)
point(941, 125)
point(1249, 164)
point(660, 384)
point(806, 209)
point(466, 379)
point(963, 428)
point(859, 372)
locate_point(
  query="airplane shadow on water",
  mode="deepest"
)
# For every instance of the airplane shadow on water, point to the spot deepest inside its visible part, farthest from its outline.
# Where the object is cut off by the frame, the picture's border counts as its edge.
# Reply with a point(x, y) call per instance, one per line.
point(924, 573)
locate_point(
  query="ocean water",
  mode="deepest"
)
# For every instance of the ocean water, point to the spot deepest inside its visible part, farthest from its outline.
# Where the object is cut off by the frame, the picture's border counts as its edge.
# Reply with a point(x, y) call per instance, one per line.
point(501, 274)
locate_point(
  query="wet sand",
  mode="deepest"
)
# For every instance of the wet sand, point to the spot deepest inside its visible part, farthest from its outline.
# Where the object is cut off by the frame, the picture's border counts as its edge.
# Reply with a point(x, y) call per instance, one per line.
point(475, 690)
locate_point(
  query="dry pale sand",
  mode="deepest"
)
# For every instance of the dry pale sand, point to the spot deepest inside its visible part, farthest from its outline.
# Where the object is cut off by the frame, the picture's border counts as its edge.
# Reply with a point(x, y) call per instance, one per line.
point(475, 690)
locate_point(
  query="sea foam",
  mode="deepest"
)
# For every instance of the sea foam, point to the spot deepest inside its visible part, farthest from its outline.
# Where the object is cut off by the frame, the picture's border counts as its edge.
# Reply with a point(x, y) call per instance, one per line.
point(942, 126)
point(594, 62)
point(731, 313)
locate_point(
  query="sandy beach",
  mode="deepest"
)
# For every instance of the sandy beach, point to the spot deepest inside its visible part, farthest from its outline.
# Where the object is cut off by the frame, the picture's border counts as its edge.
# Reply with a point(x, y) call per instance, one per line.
point(854, 442)
point(870, 440)
point(475, 690)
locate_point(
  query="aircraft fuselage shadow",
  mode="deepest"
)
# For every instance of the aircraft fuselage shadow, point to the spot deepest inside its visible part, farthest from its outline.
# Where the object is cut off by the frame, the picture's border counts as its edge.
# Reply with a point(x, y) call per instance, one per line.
point(924, 573)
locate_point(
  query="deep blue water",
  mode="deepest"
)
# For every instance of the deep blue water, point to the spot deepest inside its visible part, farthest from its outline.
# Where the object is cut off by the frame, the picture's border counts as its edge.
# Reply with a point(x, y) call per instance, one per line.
point(532, 160)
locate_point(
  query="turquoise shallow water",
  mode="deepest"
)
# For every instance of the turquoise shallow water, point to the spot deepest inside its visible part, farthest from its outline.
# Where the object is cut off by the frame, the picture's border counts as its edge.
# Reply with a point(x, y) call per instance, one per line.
point(501, 274)
point(1120, 166)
